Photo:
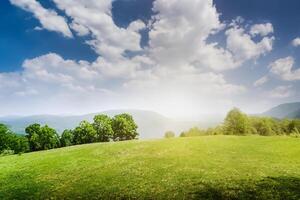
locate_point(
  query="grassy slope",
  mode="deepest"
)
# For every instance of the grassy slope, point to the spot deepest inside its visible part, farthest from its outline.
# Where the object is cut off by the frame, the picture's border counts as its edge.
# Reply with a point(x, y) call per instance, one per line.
point(216, 167)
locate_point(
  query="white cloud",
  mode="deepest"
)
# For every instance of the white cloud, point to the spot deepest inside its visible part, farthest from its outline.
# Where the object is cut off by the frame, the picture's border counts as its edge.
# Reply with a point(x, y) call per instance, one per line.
point(109, 40)
point(261, 81)
point(296, 42)
point(283, 69)
point(244, 47)
point(179, 72)
point(49, 19)
point(261, 29)
point(281, 92)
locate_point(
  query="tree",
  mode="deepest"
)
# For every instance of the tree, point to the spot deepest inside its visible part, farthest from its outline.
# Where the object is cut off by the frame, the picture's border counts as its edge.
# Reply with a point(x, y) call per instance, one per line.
point(66, 138)
point(103, 126)
point(169, 134)
point(4, 137)
point(19, 144)
point(9, 141)
point(236, 123)
point(124, 127)
point(262, 126)
point(85, 133)
point(32, 134)
point(42, 138)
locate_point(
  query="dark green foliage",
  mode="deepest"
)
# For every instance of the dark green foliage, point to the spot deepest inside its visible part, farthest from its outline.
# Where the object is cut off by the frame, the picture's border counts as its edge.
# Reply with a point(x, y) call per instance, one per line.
point(42, 138)
point(169, 134)
point(19, 144)
point(103, 126)
point(4, 137)
point(66, 138)
point(124, 128)
point(12, 142)
point(84, 133)
point(103, 129)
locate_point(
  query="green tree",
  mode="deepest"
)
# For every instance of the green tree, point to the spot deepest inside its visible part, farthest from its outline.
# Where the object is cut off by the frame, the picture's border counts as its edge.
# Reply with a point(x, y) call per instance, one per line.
point(103, 126)
point(66, 138)
point(85, 133)
point(124, 127)
point(33, 136)
point(169, 134)
point(236, 123)
point(4, 137)
point(262, 126)
point(19, 144)
point(42, 138)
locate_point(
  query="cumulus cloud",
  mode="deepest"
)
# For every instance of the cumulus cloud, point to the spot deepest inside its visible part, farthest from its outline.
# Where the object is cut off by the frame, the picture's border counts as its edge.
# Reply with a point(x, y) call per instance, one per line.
point(261, 29)
point(283, 68)
point(49, 19)
point(244, 48)
point(179, 69)
point(95, 17)
point(281, 92)
point(296, 42)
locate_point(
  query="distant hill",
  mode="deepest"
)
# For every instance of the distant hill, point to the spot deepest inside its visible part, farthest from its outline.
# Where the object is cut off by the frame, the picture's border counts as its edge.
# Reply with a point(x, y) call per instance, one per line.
point(288, 110)
point(151, 124)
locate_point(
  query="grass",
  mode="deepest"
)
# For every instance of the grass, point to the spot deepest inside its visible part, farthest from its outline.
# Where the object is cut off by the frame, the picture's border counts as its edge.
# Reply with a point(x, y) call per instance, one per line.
point(213, 167)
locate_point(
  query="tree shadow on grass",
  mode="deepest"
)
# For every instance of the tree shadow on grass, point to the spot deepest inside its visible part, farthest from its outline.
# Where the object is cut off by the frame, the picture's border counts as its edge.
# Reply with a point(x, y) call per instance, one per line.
point(278, 188)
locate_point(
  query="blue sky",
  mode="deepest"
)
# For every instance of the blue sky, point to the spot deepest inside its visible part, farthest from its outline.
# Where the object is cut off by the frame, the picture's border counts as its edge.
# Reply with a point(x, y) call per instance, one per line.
point(181, 59)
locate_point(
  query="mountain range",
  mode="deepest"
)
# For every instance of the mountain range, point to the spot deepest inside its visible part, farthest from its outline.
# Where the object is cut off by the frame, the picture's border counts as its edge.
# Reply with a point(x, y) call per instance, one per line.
point(287, 110)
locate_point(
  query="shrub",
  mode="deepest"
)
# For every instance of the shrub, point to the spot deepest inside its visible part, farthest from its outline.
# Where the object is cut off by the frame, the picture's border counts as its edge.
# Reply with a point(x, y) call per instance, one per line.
point(169, 134)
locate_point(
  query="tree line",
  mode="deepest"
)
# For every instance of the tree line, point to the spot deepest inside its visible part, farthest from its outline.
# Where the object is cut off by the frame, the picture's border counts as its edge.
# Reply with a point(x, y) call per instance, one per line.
point(239, 123)
point(102, 129)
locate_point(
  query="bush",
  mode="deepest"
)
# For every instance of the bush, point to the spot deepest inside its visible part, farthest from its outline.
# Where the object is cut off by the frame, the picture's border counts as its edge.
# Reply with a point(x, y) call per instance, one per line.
point(193, 132)
point(169, 134)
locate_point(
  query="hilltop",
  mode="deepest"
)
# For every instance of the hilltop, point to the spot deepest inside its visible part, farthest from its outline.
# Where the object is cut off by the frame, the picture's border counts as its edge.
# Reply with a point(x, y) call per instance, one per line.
point(287, 110)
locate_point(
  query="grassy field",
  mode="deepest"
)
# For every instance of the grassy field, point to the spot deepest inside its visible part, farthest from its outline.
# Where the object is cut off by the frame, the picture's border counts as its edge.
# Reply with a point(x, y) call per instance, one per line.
point(215, 167)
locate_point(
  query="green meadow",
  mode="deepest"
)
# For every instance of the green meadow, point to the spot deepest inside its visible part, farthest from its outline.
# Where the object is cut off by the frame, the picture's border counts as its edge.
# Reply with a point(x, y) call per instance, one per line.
point(208, 167)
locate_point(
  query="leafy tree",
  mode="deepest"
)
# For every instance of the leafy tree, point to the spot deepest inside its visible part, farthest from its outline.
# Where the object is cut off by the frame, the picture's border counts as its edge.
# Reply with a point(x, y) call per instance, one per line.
point(124, 127)
point(32, 134)
point(4, 137)
point(66, 138)
point(169, 134)
point(42, 138)
point(262, 126)
point(236, 123)
point(103, 126)
point(85, 133)
point(19, 144)
point(9, 141)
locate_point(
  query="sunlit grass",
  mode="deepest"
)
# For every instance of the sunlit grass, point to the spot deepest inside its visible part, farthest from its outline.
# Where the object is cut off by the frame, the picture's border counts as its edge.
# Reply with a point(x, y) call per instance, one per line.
point(212, 167)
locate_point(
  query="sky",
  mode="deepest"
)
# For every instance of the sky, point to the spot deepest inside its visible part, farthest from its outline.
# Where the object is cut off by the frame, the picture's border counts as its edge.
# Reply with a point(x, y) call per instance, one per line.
point(182, 59)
